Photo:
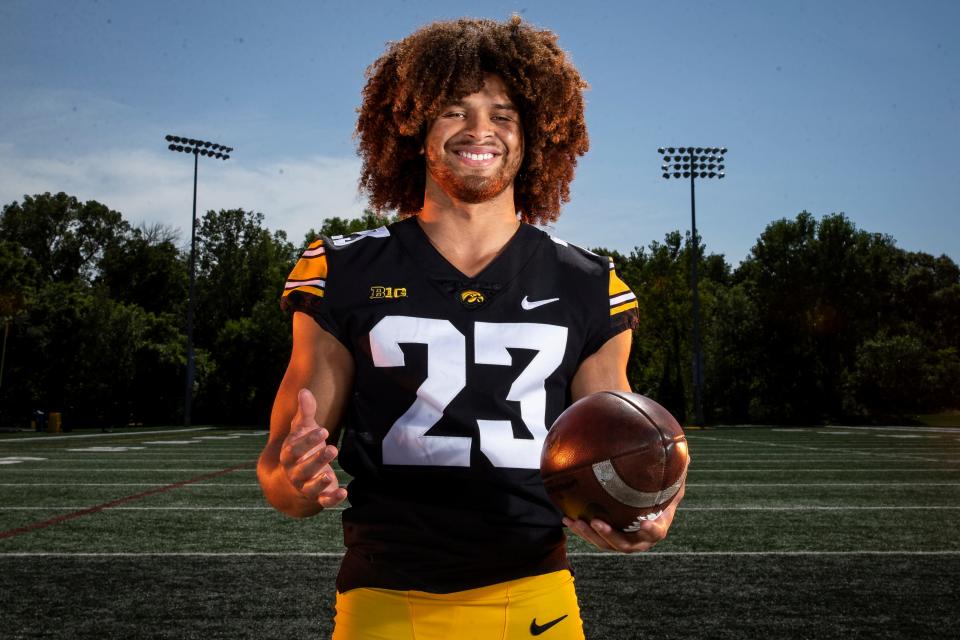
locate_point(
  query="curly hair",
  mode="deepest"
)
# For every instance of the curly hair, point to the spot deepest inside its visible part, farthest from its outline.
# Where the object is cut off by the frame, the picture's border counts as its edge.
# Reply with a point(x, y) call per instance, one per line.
point(445, 61)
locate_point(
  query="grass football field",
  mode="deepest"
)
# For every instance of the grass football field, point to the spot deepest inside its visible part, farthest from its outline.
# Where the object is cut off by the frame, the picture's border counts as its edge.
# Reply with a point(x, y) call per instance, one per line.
point(831, 532)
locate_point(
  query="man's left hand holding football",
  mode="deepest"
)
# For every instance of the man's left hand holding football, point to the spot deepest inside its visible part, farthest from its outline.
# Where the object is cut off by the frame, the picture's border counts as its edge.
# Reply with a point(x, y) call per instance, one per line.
point(603, 536)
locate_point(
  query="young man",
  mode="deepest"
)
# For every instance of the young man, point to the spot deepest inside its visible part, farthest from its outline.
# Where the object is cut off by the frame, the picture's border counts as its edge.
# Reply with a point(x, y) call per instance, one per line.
point(448, 343)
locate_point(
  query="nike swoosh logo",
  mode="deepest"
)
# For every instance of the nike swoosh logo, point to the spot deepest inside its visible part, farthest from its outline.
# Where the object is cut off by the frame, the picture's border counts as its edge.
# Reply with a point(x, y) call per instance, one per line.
point(533, 304)
point(537, 629)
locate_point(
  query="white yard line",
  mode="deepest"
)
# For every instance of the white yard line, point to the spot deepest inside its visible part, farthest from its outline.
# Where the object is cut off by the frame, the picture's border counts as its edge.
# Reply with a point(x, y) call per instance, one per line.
point(120, 461)
point(79, 508)
point(924, 450)
point(575, 554)
point(839, 447)
point(739, 445)
point(682, 508)
point(950, 430)
point(695, 437)
point(142, 451)
point(103, 435)
point(827, 508)
point(171, 554)
point(822, 484)
point(46, 471)
point(133, 454)
point(697, 447)
point(827, 451)
point(689, 484)
point(694, 469)
point(863, 552)
point(127, 484)
point(720, 459)
point(837, 427)
point(932, 442)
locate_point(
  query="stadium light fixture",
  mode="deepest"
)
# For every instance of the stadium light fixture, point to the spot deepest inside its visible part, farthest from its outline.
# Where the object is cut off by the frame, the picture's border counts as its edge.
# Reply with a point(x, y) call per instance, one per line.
point(703, 163)
point(197, 148)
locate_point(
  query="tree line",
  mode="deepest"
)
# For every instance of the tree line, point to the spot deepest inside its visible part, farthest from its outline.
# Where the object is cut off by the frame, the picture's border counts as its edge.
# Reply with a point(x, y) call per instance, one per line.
point(821, 322)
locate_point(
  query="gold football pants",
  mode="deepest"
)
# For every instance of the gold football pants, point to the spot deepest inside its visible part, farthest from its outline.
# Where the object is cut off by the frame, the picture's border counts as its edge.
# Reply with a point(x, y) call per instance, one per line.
point(543, 607)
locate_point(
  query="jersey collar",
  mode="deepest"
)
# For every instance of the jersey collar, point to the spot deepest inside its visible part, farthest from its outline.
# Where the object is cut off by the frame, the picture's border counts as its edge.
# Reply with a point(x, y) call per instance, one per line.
point(520, 249)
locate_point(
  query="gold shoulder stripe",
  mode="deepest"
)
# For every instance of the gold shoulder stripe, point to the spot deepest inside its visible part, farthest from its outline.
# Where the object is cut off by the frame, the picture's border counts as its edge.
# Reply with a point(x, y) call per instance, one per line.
point(310, 273)
point(617, 286)
point(623, 307)
point(621, 297)
point(305, 288)
point(309, 268)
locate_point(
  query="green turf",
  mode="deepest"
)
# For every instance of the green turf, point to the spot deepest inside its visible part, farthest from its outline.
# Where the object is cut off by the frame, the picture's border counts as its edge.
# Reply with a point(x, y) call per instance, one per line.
point(822, 533)
point(651, 596)
point(946, 419)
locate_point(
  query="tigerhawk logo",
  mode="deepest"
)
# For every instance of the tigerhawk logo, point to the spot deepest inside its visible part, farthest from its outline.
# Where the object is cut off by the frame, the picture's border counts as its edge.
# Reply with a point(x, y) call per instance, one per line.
point(387, 293)
point(471, 298)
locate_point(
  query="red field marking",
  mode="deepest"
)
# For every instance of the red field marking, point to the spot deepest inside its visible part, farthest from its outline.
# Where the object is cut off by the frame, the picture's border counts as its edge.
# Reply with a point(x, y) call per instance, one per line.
point(113, 503)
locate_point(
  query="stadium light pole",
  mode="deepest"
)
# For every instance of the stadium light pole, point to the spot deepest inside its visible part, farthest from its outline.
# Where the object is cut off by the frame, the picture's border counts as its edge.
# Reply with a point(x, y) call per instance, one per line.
point(3, 358)
point(693, 163)
point(220, 152)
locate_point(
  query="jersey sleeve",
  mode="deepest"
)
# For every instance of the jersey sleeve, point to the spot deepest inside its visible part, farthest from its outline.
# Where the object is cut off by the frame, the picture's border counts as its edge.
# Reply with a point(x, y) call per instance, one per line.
point(306, 287)
point(620, 314)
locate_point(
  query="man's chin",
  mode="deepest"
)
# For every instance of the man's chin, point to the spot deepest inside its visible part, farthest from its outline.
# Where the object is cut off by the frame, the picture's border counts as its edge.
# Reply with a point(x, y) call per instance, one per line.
point(474, 190)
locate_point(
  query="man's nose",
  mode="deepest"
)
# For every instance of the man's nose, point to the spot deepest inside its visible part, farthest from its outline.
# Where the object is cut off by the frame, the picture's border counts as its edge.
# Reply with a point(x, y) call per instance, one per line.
point(478, 125)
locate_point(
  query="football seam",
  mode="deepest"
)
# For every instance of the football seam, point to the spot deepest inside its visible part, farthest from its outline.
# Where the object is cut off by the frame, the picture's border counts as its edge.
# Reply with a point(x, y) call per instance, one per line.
point(663, 439)
point(627, 452)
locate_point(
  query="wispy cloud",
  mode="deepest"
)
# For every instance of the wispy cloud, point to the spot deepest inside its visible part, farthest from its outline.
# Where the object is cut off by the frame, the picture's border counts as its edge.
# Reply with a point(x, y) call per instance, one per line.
point(34, 116)
point(157, 187)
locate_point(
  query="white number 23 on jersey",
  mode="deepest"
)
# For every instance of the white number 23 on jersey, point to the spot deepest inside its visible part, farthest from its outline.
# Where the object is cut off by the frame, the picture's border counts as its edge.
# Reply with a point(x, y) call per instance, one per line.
point(406, 443)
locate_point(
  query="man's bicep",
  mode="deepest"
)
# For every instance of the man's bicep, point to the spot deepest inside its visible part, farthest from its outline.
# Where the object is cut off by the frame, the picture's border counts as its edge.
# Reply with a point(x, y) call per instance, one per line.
point(318, 362)
point(606, 369)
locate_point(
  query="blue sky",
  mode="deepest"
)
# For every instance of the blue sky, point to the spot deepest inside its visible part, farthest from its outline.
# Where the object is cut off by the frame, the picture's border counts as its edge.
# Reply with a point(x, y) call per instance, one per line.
point(826, 106)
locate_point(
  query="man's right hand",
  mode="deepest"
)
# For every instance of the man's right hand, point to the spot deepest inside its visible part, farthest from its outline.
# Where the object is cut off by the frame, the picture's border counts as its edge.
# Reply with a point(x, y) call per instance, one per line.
point(305, 456)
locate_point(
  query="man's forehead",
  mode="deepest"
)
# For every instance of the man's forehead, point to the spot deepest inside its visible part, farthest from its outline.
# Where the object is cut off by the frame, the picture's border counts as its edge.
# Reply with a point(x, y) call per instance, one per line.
point(493, 87)
point(503, 103)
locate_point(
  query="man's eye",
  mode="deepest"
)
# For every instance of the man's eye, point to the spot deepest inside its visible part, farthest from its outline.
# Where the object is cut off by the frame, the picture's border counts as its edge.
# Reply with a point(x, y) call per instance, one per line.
point(454, 114)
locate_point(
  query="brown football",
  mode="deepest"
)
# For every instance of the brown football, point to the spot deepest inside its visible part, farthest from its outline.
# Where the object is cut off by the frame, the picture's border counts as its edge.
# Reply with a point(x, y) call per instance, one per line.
point(616, 456)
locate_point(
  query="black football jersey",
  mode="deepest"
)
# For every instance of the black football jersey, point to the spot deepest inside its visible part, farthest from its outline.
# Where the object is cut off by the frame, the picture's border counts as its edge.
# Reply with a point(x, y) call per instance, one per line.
point(457, 381)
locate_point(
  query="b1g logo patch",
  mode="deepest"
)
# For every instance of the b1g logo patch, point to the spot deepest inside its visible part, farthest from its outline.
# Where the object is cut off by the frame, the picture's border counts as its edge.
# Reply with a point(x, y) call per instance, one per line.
point(387, 293)
point(472, 299)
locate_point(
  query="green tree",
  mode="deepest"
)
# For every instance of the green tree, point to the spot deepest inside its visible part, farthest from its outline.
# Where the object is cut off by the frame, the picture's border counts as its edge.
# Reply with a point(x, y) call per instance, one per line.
point(147, 269)
point(820, 290)
point(239, 263)
point(251, 355)
point(925, 304)
point(81, 353)
point(661, 358)
point(94, 330)
point(19, 275)
point(66, 238)
point(732, 356)
point(885, 373)
point(241, 271)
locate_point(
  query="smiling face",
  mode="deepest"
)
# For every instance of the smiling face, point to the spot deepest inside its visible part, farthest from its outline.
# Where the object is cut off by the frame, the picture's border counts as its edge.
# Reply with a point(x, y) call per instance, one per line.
point(475, 146)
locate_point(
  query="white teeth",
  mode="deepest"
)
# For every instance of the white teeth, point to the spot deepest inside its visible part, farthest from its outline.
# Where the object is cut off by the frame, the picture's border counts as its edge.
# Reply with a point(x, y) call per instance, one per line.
point(477, 156)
